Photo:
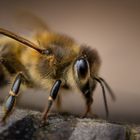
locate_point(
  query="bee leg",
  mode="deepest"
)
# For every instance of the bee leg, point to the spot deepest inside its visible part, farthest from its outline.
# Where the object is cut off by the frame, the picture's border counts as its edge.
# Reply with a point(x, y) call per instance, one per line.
point(89, 101)
point(51, 99)
point(83, 79)
point(11, 99)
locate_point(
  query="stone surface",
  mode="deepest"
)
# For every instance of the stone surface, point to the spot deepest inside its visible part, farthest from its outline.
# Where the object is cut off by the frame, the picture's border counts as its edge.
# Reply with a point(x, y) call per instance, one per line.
point(25, 125)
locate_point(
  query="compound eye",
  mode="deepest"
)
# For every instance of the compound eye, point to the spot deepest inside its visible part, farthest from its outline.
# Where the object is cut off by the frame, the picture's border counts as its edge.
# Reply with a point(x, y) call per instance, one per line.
point(82, 68)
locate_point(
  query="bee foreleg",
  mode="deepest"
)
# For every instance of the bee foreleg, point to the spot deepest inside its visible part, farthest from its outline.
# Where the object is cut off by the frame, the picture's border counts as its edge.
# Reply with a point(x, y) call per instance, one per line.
point(84, 81)
point(11, 99)
point(51, 99)
point(89, 101)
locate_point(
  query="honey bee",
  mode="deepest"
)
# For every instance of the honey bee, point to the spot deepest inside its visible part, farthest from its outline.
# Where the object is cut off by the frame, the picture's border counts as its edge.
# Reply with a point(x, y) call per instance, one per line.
point(50, 61)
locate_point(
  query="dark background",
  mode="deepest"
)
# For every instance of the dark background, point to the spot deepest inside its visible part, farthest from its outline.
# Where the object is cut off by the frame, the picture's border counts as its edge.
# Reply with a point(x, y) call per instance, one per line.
point(112, 27)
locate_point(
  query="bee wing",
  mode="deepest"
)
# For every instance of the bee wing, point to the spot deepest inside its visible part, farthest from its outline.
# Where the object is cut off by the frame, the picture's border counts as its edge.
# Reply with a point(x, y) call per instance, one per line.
point(31, 22)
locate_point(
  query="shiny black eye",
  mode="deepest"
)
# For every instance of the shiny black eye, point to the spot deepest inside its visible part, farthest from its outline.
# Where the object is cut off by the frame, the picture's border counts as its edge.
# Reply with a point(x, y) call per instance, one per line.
point(82, 68)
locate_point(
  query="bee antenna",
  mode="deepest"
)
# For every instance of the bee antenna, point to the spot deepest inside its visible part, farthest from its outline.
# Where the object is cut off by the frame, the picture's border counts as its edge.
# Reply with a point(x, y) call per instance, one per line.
point(20, 39)
point(109, 89)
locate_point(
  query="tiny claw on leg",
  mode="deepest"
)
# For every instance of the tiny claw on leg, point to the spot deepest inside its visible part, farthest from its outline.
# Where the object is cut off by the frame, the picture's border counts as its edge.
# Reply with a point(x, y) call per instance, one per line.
point(88, 111)
point(85, 115)
point(93, 115)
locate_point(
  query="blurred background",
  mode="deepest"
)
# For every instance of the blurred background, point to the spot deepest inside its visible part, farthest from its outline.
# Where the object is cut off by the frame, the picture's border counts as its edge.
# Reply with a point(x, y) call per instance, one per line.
point(112, 27)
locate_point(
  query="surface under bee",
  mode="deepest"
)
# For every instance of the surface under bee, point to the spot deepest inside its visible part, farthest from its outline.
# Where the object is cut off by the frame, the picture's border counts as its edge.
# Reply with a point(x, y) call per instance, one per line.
point(51, 61)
